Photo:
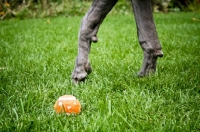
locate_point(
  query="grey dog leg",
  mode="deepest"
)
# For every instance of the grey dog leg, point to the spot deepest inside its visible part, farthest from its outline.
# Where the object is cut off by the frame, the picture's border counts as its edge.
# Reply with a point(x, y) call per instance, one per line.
point(87, 34)
point(147, 35)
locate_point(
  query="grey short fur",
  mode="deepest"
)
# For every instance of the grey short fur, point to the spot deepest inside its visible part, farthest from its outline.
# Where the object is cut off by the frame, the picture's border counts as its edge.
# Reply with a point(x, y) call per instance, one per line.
point(146, 31)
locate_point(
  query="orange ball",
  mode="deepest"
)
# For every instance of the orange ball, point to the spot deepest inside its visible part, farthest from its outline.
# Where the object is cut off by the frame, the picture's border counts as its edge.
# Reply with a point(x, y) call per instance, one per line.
point(68, 104)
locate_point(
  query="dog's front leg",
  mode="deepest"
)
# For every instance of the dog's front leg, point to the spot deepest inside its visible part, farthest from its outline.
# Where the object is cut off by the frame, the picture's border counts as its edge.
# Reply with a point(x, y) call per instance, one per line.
point(147, 35)
point(87, 34)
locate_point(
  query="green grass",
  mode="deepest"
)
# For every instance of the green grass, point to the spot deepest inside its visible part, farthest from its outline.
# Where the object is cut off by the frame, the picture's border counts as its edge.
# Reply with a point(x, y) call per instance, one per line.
point(37, 57)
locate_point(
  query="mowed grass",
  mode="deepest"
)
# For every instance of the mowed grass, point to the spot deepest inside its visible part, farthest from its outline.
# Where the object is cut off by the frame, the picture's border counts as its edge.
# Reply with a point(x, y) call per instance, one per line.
point(37, 58)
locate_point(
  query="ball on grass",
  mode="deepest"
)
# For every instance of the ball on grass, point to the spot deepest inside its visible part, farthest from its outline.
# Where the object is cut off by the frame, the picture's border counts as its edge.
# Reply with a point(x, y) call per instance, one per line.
point(67, 104)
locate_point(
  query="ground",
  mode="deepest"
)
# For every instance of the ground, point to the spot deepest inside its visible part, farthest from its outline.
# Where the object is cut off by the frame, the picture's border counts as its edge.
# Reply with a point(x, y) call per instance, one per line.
point(37, 59)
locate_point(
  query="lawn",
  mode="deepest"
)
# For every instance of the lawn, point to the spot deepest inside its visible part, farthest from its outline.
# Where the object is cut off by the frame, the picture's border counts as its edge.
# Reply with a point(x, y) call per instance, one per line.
point(37, 58)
